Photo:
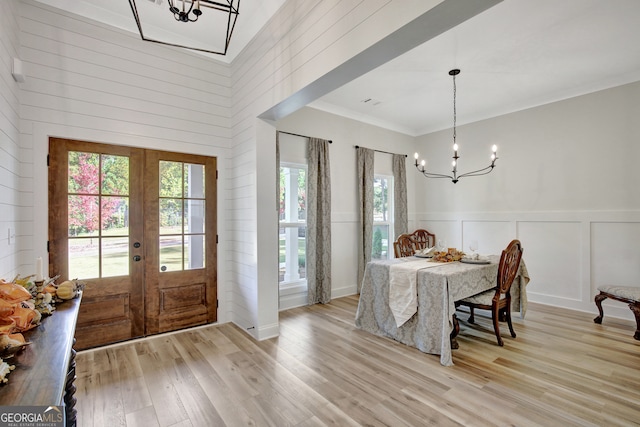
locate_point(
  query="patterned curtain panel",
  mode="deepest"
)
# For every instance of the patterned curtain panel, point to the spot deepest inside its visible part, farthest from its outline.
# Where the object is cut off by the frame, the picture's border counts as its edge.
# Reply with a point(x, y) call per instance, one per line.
point(364, 160)
point(318, 222)
point(400, 217)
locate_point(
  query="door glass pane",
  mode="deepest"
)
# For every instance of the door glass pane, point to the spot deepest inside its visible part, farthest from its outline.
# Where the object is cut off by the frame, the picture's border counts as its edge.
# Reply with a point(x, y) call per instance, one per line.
point(194, 252)
point(83, 215)
point(170, 216)
point(115, 216)
point(171, 182)
point(182, 216)
point(115, 256)
point(83, 172)
point(194, 216)
point(98, 206)
point(171, 253)
point(84, 262)
point(115, 175)
point(194, 181)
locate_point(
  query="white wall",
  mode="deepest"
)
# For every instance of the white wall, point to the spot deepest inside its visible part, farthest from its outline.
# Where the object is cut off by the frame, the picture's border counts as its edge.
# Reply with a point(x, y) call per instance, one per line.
point(93, 82)
point(566, 185)
point(11, 193)
point(307, 50)
point(345, 134)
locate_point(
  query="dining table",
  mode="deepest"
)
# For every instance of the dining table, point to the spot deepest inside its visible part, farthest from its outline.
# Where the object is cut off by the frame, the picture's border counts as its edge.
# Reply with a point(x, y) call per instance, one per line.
point(412, 299)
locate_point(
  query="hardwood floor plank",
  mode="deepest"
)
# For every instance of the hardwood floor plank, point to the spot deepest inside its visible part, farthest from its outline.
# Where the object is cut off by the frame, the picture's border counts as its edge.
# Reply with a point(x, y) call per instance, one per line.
point(143, 417)
point(135, 394)
point(233, 411)
point(162, 389)
point(561, 369)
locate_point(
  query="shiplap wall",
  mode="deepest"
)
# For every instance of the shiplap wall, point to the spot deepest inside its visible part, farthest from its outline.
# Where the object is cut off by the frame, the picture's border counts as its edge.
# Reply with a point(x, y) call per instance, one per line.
point(302, 43)
point(93, 82)
point(566, 185)
point(11, 196)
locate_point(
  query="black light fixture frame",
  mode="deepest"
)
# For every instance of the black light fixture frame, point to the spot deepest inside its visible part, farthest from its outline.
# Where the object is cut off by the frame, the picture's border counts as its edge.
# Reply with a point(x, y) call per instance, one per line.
point(231, 7)
point(454, 177)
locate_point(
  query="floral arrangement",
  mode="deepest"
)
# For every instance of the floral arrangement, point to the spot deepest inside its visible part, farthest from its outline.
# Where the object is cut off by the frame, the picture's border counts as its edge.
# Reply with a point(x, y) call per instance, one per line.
point(449, 256)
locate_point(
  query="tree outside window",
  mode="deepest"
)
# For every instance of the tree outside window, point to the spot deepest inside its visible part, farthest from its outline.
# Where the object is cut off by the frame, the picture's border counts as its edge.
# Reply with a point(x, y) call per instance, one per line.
point(382, 216)
point(293, 224)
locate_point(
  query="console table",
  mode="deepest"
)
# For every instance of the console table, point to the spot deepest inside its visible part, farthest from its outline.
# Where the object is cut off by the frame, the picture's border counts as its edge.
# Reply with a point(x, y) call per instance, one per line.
point(45, 370)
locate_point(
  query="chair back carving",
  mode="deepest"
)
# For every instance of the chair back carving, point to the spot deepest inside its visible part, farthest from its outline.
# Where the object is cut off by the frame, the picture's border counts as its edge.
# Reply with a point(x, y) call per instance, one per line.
point(508, 267)
point(423, 239)
point(404, 246)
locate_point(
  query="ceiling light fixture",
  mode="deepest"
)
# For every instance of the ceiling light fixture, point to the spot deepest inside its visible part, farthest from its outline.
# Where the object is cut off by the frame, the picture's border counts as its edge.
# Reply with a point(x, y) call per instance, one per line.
point(208, 37)
point(455, 177)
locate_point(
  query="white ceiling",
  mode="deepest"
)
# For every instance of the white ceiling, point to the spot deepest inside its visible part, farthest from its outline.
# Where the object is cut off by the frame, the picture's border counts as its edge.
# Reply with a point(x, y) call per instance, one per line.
point(516, 55)
point(253, 15)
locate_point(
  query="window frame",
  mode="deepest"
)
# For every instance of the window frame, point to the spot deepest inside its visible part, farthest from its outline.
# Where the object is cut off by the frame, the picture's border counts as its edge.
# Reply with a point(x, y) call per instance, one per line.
point(390, 210)
point(299, 284)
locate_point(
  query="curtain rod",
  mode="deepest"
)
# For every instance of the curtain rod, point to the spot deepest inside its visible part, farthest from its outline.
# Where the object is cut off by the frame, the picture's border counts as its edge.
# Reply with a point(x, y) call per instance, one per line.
point(385, 152)
point(296, 134)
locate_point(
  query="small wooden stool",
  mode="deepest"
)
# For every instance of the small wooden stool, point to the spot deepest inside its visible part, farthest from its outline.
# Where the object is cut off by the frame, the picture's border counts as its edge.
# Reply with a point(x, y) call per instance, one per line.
point(628, 294)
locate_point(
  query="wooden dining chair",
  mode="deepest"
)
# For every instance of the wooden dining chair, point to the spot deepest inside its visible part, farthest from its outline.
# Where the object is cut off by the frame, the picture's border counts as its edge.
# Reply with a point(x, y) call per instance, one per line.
point(498, 300)
point(404, 246)
point(423, 239)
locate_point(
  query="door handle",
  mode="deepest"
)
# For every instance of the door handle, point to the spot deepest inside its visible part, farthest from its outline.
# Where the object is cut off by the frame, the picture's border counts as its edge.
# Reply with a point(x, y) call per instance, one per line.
point(137, 258)
point(136, 245)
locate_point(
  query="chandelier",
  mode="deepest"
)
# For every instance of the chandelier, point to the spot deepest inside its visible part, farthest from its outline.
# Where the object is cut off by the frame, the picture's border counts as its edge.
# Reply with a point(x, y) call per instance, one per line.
point(454, 177)
point(213, 34)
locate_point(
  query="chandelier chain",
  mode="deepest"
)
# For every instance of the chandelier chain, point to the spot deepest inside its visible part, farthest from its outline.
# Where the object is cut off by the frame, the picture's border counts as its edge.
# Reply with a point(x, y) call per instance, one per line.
point(454, 109)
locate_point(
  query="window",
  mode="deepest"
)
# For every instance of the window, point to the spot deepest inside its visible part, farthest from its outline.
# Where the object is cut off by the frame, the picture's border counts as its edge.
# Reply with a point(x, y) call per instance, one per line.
point(98, 221)
point(382, 216)
point(182, 216)
point(293, 224)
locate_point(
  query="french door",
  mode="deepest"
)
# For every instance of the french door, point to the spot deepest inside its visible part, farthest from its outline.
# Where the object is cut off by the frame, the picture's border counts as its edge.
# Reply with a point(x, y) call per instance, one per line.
point(139, 228)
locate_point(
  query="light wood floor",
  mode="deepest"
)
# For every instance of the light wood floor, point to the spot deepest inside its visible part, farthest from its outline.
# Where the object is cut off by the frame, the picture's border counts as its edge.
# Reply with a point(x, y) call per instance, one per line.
point(561, 370)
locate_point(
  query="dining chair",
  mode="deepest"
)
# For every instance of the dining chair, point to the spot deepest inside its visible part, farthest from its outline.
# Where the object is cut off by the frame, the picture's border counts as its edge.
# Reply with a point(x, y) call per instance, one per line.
point(498, 299)
point(404, 246)
point(423, 239)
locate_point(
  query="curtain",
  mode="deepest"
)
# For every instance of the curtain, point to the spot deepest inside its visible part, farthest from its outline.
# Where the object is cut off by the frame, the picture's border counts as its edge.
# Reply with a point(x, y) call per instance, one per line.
point(318, 222)
point(278, 176)
point(364, 160)
point(400, 217)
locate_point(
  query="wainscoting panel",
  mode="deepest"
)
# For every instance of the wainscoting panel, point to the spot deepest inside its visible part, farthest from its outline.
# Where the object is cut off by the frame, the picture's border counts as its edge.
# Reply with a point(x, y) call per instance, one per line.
point(568, 253)
point(615, 254)
point(492, 236)
point(446, 230)
point(552, 251)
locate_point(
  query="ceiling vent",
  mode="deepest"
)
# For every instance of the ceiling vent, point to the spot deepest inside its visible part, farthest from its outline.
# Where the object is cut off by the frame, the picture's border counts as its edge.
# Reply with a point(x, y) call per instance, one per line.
point(371, 101)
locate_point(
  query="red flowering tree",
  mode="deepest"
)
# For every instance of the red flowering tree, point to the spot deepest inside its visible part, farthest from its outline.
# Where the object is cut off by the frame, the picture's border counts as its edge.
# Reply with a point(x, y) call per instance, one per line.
point(86, 194)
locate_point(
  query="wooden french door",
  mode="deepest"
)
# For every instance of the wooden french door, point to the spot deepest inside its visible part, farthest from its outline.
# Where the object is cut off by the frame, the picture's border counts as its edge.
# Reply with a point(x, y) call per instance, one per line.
point(139, 228)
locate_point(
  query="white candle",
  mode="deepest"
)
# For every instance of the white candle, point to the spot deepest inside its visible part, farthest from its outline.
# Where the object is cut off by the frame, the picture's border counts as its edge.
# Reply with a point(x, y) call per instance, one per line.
point(39, 269)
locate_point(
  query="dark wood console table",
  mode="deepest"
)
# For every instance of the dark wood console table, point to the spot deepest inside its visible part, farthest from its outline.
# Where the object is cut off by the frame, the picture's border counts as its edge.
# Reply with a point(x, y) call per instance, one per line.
point(46, 369)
